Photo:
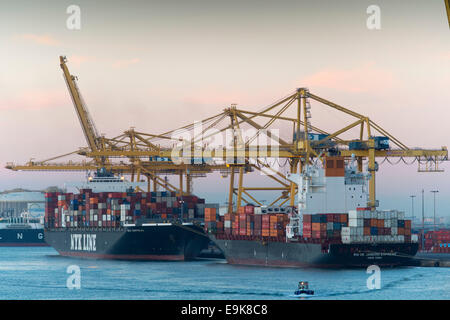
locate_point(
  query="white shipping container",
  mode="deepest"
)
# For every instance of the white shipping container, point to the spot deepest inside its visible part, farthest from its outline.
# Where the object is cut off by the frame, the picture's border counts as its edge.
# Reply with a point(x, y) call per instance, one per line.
point(352, 214)
point(108, 217)
point(356, 222)
point(345, 231)
point(414, 238)
point(227, 224)
point(346, 239)
point(387, 223)
point(258, 210)
point(99, 223)
point(95, 217)
point(394, 231)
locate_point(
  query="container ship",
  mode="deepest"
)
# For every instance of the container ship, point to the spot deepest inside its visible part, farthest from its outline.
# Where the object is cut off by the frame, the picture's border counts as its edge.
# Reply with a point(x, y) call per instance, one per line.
point(108, 220)
point(330, 227)
point(23, 231)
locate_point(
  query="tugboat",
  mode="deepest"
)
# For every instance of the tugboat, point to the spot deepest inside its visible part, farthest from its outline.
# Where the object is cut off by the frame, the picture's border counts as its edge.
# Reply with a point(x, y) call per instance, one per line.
point(303, 290)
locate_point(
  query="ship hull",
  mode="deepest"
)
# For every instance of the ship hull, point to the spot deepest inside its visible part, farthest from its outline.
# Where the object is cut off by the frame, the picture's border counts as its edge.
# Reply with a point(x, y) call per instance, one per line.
point(165, 242)
point(295, 254)
point(22, 238)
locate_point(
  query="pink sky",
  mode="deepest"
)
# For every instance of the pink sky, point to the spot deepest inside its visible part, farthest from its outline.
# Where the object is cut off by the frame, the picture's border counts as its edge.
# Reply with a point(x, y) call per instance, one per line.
point(162, 68)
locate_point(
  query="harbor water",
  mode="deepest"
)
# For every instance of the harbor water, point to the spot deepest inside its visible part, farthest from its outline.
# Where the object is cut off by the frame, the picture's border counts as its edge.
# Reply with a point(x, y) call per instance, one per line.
point(40, 273)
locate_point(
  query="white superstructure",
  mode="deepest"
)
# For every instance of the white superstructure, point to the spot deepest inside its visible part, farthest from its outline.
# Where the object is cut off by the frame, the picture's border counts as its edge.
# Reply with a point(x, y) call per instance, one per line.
point(334, 187)
point(103, 181)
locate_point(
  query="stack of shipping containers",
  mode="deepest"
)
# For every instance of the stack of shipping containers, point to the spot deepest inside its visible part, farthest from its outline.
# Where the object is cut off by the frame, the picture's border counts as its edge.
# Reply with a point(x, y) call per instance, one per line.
point(114, 209)
point(357, 226)
point(250, 221)
point(365, 225)
point(437, 241)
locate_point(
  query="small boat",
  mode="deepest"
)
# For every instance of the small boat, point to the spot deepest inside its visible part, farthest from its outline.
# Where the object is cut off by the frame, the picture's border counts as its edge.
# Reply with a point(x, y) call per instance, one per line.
point(303, 290)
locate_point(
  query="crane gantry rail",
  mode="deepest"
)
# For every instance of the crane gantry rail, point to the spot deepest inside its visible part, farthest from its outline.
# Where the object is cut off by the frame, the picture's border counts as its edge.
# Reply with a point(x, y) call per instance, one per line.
point(187, 151)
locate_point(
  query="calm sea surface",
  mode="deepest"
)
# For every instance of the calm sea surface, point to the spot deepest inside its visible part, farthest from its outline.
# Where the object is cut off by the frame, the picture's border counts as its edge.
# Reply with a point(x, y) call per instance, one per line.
point(39, 273)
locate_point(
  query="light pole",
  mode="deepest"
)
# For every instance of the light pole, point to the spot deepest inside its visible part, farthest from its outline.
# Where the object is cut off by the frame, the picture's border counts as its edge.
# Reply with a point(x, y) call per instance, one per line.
point(423, 220)
point(412, 207)
point(434, 208)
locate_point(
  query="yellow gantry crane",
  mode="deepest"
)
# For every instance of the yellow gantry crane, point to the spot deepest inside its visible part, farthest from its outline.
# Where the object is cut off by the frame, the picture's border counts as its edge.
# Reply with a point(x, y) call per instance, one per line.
point(298, 151)
point(93, 139)
point(187, 151)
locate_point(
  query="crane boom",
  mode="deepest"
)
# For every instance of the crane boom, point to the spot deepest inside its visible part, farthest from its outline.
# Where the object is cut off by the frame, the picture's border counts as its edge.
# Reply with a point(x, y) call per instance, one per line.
point(87, 124)
point(447, 6)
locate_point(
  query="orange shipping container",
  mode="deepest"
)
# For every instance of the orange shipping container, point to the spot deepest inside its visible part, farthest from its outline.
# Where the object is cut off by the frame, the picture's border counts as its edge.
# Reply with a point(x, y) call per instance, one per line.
point(380, 223)
point(210, 210)
point(367, 231)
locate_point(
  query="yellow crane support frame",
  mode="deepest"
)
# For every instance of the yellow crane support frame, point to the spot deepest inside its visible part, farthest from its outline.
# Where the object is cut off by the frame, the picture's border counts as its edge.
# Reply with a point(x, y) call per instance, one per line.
point(241, 157)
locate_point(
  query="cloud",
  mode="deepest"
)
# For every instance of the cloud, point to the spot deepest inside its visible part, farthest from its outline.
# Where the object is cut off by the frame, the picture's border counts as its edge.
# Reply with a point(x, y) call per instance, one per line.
point(125, 63)
point(79, 59)
point(363, 78)
point(445, 55)
point(34, 100)
point(39, 39)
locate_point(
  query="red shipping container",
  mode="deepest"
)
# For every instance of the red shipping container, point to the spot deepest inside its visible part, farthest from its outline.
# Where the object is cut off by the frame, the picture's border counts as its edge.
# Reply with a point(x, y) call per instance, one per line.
point(249, 209)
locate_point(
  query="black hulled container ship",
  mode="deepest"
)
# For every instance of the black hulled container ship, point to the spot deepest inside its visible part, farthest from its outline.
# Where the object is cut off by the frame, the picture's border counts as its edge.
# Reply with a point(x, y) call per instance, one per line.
point(108, 220)
point(330, 227)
